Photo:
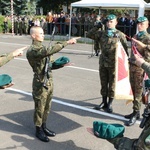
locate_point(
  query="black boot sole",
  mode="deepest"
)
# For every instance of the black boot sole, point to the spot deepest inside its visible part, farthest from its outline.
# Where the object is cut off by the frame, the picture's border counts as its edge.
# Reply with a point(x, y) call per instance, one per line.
point(129, 116)
point(131, 123)
point(49, 133)
point(101, 106)
point(43, 139)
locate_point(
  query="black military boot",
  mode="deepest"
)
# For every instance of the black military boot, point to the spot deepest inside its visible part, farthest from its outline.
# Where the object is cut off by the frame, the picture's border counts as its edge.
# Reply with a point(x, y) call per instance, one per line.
point(109, 108)
point(41, 135)
point(103, 105)
point(47, 131)
point(96, 52)
point(130, 115)
point(135, 115)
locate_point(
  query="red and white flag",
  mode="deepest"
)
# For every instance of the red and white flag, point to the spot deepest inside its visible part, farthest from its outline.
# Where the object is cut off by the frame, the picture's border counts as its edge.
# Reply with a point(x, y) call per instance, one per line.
point(123, 89)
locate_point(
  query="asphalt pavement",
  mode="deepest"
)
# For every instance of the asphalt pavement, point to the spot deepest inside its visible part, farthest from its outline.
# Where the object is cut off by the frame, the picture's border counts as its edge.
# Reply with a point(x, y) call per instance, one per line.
point(76, 92)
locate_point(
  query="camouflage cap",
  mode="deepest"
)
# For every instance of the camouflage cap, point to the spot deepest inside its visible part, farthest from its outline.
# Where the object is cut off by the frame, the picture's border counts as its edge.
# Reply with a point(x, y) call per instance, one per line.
point(142, 19)
point(111, 17)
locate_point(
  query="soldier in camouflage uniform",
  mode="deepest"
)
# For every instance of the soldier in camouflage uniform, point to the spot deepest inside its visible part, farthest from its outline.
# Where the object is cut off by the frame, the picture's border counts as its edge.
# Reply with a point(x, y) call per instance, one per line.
point(136, 73)
point(107, 40)
point(5, 58)
point(20, 26)
point(37, 55)
point(25, 25)
point(143, 141)
point(16, 25)
point(96, 43)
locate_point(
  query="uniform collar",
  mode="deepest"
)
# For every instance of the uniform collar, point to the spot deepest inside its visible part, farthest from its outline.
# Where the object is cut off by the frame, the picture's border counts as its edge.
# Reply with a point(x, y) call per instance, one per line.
point(111, 29)
point(36, 42)
point(110, 32)
point(141, 33)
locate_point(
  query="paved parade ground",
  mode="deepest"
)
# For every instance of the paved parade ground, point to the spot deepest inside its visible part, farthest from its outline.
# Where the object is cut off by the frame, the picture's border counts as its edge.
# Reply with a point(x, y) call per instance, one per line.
point(76, 92)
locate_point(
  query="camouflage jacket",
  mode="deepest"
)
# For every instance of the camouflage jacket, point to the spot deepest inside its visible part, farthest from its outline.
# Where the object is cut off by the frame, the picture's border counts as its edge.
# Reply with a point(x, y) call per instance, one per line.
point(5, 58)
point(108, 45)
point(37, 54)
point(144, 52)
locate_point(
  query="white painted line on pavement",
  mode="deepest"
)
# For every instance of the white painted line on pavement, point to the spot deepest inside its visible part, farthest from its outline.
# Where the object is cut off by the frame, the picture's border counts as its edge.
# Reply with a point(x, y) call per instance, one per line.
point(67, 66)
point(76, 106)
point(83, 68)
point(21, 59)
point(65, 49)
point(13, 44)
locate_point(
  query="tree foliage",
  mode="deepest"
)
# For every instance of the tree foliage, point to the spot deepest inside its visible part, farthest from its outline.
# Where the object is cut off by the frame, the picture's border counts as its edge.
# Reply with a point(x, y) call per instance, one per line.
point(21, 7)
point(54, 5)
point(5, 7)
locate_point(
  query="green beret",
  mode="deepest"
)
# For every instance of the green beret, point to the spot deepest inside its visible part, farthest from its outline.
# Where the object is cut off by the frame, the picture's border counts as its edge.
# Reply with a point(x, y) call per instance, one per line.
point(61, 61)
point(107, 131)
point(141, 19)
point(111, 17)
point(5, 79)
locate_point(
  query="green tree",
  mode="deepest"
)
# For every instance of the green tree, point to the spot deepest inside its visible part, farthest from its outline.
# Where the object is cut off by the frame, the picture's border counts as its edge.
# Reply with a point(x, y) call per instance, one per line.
point(30, 8)
point(25, 7)
point(5, 7)
point(21, 7)
point(54, 5)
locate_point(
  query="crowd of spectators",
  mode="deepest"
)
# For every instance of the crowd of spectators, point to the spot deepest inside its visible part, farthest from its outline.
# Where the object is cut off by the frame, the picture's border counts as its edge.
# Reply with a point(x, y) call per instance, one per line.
point(81, 23)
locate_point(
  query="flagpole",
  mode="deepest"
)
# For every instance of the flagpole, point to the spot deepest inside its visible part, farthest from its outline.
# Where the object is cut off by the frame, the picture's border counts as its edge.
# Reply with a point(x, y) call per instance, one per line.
point(12, 17)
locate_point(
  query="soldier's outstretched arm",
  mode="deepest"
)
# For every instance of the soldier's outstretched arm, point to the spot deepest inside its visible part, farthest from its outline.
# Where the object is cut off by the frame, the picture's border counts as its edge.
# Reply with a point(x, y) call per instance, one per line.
point(92, 34)
point(60, 45)
point(73, 40)
point(139, 43)
point(7, 57)
point(143, 64)
point(19, 52)
point(124, 42)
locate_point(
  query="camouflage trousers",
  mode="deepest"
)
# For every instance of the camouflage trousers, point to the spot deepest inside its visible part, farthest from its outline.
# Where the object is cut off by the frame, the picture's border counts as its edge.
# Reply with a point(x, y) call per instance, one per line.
point(96, 46)
point(141, 143)
point(123, 143)
point(42, 99)
point(107, 78)
point(136, 80)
